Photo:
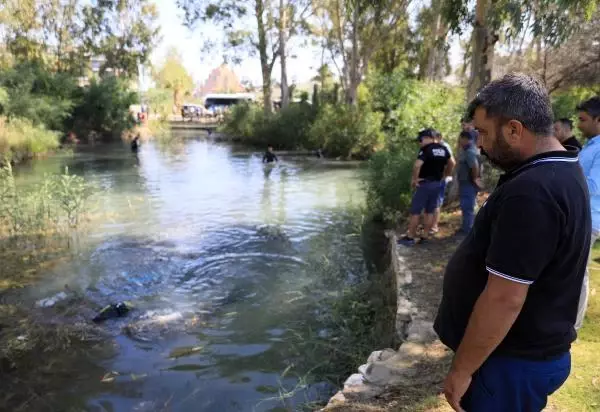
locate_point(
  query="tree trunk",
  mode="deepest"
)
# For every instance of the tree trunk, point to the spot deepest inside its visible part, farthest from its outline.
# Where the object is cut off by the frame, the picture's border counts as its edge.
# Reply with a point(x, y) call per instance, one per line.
point(432, 56)
point(353, 72)
point(264, 58)
point(285, 95)
point(482, 51)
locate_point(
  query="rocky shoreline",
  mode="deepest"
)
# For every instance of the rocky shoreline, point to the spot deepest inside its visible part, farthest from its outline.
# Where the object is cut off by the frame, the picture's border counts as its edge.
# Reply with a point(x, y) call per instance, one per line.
point(387, 369)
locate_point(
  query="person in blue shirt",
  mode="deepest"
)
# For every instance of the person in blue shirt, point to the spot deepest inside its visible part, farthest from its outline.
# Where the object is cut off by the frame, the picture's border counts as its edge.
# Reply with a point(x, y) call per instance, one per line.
point(469, 179)
point(589, 158)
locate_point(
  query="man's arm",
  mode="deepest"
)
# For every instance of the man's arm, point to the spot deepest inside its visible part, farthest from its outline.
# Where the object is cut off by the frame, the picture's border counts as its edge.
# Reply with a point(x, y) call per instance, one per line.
point(415, 173)
point(475, 171)
point(493, 315)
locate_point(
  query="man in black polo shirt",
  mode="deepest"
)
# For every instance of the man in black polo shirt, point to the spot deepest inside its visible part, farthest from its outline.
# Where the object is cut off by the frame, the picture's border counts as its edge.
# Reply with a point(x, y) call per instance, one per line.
point(563, 131)
point(433, 164)
point(512, 287)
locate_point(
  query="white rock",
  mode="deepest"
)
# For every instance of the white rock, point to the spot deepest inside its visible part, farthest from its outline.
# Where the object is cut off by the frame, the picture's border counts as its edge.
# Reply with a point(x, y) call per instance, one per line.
point(399, 369)
point(51, 301)
point(361, 392)
point(354, 379)
point(381, 355)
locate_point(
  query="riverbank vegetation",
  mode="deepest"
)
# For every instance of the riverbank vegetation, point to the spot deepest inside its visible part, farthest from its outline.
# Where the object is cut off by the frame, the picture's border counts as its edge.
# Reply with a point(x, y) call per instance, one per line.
point(66, 71)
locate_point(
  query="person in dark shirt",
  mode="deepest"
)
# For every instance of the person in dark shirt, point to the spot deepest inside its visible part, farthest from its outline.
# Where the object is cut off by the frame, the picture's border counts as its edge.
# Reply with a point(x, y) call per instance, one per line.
point(135, 144)
point(433, 164)
point(269, 156)
point(563, 131)
point(512, 287)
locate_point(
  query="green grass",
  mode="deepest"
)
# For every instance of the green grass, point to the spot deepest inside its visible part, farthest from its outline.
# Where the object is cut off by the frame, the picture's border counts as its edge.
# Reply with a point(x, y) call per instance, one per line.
point(582, 391)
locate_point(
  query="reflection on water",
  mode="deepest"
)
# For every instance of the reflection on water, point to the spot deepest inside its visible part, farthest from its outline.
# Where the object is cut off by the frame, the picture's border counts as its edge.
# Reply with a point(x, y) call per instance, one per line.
point(212, 248)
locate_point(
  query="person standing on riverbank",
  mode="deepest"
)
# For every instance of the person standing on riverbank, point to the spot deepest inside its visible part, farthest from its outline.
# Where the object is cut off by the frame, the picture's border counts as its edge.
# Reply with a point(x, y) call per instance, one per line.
point(512, 287)
point(433, 164)
point(443, 184)
point(563, 131)
point(469, 179)
point(589, 125)
point(269, 156)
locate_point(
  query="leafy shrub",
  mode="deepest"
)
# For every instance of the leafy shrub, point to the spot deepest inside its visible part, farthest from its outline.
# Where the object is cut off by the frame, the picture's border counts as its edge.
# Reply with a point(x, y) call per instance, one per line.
point(288, 128)
point(410, 105)
point(43, 97)
point(104, 109)
point(347, 131)
point(20, 139)
point(242, 120)
point(55, 204)
point(387, 182)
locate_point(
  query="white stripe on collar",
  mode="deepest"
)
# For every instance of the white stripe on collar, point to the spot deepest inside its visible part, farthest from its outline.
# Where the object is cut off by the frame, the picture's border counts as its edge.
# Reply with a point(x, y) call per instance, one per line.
point(548, 159)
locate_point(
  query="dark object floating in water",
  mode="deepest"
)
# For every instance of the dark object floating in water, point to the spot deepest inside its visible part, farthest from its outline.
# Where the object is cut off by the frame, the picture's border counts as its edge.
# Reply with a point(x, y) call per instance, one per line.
point(114, 310)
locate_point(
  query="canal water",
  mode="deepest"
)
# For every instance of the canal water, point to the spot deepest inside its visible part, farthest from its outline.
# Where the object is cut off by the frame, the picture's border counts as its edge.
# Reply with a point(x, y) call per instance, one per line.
point(224, 261)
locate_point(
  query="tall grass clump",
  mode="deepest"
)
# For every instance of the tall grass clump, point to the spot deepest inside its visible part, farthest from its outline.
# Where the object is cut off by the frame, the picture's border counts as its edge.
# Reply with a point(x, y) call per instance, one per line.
point(55, 205)
point(21, 139)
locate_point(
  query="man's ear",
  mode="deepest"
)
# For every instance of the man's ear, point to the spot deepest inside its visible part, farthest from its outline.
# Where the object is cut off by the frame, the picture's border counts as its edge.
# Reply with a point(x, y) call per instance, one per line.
point(515, 130)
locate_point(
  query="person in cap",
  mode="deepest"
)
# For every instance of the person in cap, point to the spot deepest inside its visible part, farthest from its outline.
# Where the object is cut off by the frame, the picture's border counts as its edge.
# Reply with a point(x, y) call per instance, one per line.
point(434, 162)
point(469, 178)
point(511, 289)
point(436, 215)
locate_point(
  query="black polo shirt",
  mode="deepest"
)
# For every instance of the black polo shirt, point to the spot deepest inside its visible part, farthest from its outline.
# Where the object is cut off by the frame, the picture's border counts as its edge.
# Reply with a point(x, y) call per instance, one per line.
point(534, 229)
point(571, 143)
point(435, 157)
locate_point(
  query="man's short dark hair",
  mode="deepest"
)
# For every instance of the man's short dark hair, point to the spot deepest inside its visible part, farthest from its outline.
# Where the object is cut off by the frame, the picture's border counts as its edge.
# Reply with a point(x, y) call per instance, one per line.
point(517, 97)
point(566, 122)
point(591, 107)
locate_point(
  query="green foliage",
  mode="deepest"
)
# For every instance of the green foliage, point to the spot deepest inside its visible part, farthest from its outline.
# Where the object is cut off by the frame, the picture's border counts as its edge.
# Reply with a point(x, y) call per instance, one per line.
point(287, 129)
point(55, 204)
point(104, 109)
point(174, 77)
point(21, 139)
point(347, 131)
point(160, 101)
point(564, 103)
point(242, 120)
point(36, 94)
point(410, 105)
point(387, 183)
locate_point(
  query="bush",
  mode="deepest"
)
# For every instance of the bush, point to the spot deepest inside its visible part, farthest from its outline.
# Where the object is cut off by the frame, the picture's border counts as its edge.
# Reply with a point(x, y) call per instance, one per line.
point(286, 129)
point(410, 105)
point(21, 139)
point(242, 121)
point(387, 183)
point(347, 131)
point(104, 109)
point(38, 95)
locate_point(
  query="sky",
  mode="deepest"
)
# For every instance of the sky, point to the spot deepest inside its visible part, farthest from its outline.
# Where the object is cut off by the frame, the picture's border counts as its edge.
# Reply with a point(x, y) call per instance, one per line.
point(302, 65)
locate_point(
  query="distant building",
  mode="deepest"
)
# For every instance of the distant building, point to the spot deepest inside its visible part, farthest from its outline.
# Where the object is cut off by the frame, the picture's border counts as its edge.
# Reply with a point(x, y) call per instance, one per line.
point(221, 80)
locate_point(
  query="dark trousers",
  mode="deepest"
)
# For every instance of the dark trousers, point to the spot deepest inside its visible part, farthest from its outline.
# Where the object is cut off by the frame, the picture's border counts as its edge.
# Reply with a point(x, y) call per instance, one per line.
point(468, 195)
point(504, 384)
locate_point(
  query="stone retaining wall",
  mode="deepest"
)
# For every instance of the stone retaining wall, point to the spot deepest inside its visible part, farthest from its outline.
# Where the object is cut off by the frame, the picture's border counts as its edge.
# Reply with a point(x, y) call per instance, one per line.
point(387, 368)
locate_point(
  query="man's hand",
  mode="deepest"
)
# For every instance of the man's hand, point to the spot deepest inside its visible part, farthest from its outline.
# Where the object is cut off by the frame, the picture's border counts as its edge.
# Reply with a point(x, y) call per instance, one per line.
point(414, 183)
point(479, 183)
point(455, 387)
